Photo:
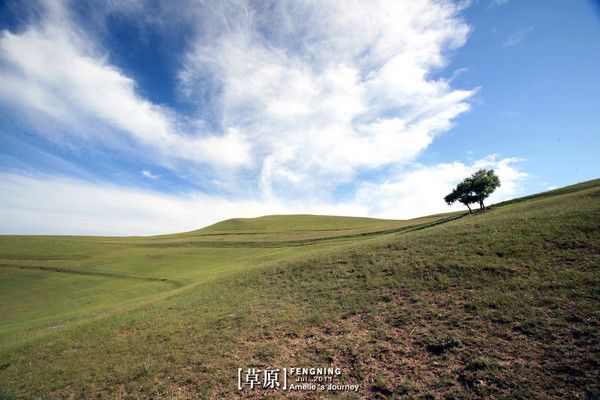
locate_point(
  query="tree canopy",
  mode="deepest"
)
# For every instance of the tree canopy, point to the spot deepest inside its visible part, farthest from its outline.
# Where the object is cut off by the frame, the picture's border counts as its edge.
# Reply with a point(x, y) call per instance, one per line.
point(474, 189)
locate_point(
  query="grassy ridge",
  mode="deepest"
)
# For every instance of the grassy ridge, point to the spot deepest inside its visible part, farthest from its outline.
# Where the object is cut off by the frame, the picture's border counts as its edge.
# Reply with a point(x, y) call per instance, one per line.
point(503, 304)
point(555, 192)
point(276, 229)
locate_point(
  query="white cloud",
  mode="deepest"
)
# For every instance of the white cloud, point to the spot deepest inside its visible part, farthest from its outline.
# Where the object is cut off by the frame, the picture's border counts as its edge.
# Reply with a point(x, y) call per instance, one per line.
point(517, 36)
point(53, 69)
point(149, 175)
point(312, 92)
point(330, 88)
point(73, 206)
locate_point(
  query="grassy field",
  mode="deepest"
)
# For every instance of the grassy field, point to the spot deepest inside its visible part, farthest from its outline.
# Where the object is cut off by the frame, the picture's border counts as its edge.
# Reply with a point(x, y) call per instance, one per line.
point(48, 282)
point(502, 304)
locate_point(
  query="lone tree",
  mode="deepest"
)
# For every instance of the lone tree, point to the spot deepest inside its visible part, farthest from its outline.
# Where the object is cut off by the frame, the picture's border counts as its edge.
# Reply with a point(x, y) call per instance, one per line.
point(474, 189)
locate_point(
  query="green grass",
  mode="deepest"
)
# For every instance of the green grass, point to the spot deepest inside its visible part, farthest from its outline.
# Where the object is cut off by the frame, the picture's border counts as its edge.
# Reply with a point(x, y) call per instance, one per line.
point(501, 304)
point(49, 282)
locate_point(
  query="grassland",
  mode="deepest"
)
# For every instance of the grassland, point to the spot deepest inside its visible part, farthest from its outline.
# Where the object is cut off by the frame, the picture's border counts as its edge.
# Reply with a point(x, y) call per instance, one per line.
point(49, 282)
point(501, 304)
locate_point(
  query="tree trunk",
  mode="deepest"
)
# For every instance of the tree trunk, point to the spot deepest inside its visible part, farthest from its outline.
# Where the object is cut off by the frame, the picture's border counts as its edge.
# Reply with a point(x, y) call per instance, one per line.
point(481, 205)
point(470, 211)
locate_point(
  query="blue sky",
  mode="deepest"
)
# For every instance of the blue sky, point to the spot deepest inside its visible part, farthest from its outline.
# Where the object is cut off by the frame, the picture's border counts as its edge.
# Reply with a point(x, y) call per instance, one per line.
point(144, 117)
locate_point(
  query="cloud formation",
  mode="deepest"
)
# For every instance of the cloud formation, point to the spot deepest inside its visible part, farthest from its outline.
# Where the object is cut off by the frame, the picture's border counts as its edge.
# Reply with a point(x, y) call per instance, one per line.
point(331, 88)
point(72, 206)
point(147, 174)
point(55, 70)
point(290, 101)
point(517, 36)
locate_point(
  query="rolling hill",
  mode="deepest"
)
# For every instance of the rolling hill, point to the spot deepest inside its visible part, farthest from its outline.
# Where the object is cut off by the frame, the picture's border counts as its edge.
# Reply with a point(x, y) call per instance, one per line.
point(501, 303)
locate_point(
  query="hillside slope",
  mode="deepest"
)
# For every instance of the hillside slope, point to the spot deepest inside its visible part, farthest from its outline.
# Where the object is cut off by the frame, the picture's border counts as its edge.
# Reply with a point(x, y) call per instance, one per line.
point(504, 303)
point(49, 282)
